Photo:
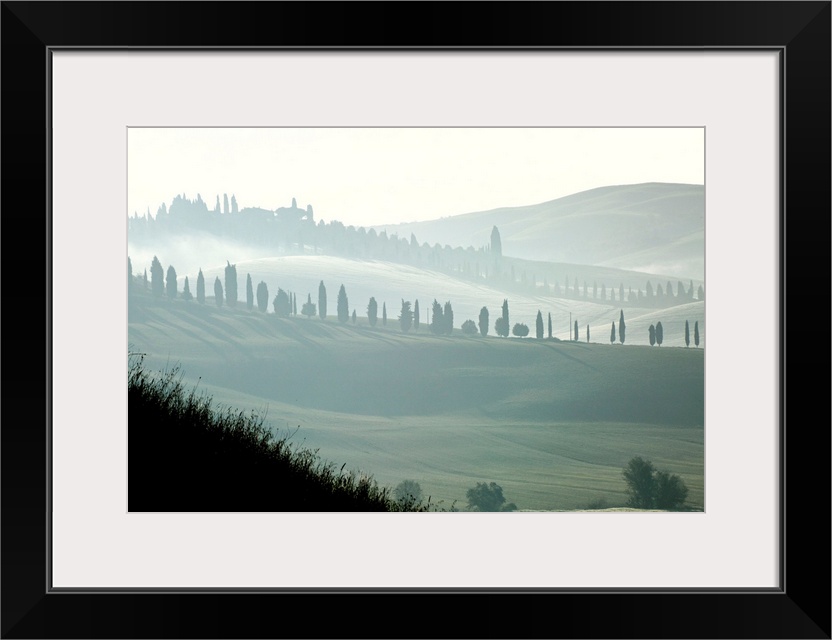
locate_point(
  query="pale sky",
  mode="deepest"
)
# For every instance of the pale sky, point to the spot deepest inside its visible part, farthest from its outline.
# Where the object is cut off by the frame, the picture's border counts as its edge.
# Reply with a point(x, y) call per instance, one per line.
point(374, 176)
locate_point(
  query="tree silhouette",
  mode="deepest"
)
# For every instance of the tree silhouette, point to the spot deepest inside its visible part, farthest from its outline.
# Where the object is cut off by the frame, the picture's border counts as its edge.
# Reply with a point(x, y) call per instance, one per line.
point(638, 474)
point(501, 326)
point(448, 317)
point(294, 304)
point(696, 333)
point(343, 305)
point(687, 334)
point(469, 327)
point(218, 291)
point(186, 292)
point(262, 297)
point(487, 497)
point(406, 316)
point(437, 321)
point(322, 300)
point(231, 284)
point(700, 293)
point(281, 304)
point(670, 491)
point(520, 330)
point(652, 332)
point(612, 334)
point(538, 325)
point(249, 293)
point(372, 312)
point(144, 278)
point(483, 323)
point(659, 333)
point(200, 288)
point(309, 308)
point(415, 309)
point(408, 493)
point(157, 276)
point(550, 325)
point(587, 333)
point(170, 283)
point(384, 314)
point(576, 331)
point(496, 243)
point(621, 327)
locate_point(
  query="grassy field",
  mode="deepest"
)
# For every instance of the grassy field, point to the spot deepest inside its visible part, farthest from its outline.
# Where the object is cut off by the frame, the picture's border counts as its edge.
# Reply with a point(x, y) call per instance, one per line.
point(552, 422)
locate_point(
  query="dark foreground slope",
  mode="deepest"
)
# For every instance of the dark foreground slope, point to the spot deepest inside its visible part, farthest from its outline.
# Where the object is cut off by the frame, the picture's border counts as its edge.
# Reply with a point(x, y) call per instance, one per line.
point(184, 456)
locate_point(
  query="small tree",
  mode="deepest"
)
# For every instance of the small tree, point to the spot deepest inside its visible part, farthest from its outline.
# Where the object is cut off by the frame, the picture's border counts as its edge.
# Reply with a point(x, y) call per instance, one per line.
point(448, 317)
point(281, 304)
point(157, 277)
point(384, 314)
point(487, 497)
point(186, 293)
point(483, 321)
point(200, 288)
point(612, 334)
point(343, 305)
point(670, 491)
point(652, 332)
point(621, 327)
point(231, 284)
point(638, 474)
point(587, 333)
point(550, 326)
point(576, 331)
point(659, 333)
point(520, 330)
point(469, 327)
point(406, 316)
point(322, 300)
point(501, 326)
point(415, 311)
point(437, 320)
point(309, 308)
point(538, 325)
point(262, 297)
point(408, 493)
point(696, 333)
point(170, 283)
point(218, 292)
point(687, 334)
point(372, 312)
point(249, 293)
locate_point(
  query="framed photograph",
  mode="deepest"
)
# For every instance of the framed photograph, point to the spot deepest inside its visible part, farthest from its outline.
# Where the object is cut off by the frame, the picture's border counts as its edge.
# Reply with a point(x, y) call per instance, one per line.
point(218, 156)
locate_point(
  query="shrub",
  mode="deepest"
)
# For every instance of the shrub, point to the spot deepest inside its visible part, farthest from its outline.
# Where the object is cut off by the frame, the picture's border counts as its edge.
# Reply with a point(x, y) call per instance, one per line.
point(648, 488)
point(520, 330)
point(488, 497)
point(469, 327)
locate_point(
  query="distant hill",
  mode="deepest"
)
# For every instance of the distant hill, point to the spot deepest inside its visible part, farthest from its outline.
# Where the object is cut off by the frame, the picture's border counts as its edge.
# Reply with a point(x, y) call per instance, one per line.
point(651, 227)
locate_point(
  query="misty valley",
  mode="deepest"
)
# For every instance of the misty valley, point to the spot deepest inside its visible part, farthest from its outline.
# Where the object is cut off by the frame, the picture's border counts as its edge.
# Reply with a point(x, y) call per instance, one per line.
point(547, 357)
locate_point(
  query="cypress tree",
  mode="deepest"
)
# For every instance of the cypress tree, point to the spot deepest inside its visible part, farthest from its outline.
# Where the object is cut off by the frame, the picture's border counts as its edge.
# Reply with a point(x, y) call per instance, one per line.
point(448, 316)
point(144, 278)
point(157, 276)
point(587, 333)
point(384, 314)
point(612, 334)
point(282, 305)
point(405, 316)
point(186, 293)
point(621, 327)
point(308, 309)
point(696, 333)
point(576, 330)
point(659, 333)
point(415, 305)
point(483, 323)
point(171, 282)
point(687, 334)
point(200, 288)
point(218, 291)
point(538, 325)
point(322, 300)
point(550, 325)
point(249, 293)
point(652, 334)
point(294, 304)
point(343, 305)
point(372, 312)
point(437, 325)
point(231, 284)
point(262, 297)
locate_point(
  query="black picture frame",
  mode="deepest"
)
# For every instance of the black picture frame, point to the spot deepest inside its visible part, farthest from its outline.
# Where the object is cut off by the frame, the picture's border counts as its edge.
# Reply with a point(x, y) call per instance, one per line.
point(799, 31)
